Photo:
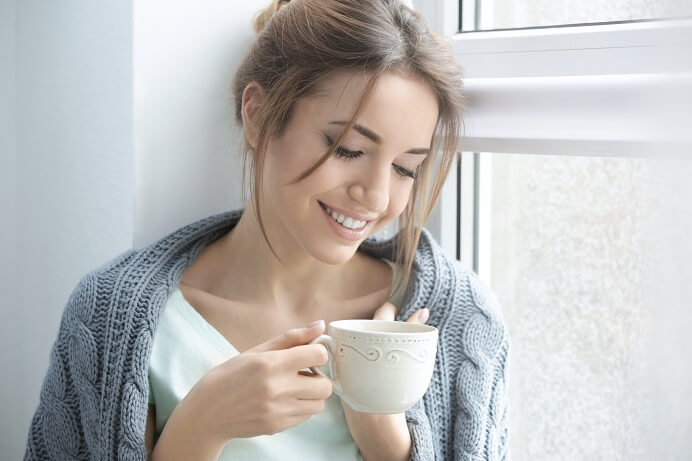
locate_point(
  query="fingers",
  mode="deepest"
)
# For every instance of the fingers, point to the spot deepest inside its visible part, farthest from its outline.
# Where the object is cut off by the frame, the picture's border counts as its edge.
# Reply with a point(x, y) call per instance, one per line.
point(385, 312)
point(420, 316)
point(306, 408)
point(388, 311)
point(292, 338)
point(304, 356)
point(314, 387)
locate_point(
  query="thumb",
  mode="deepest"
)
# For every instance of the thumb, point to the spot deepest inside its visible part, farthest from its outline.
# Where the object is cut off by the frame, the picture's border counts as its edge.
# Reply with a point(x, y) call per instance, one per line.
point(292, 338)
point(387, 311)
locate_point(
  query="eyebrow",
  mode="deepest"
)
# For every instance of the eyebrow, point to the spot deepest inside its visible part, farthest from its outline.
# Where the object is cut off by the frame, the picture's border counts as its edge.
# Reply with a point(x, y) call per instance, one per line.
point(371, 135)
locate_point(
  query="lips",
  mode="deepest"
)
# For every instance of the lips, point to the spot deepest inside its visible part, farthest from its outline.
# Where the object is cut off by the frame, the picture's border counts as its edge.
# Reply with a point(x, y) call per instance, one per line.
point(347, 214)
point(344, 232)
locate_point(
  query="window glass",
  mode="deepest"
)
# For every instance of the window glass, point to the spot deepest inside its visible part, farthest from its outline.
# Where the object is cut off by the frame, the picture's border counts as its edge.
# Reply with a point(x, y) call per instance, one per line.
point(568, 241)
point(511, 14)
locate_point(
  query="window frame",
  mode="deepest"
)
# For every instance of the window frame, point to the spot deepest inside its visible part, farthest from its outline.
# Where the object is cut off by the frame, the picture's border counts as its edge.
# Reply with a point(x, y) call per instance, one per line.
point(615, 77)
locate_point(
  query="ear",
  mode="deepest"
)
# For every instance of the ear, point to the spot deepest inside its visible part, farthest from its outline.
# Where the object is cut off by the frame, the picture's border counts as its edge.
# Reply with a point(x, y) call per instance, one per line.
point(252, 100)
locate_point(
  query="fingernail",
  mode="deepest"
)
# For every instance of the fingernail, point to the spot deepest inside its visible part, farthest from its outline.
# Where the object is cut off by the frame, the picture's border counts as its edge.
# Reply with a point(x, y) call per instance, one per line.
point(315, 323)
point(424, 315)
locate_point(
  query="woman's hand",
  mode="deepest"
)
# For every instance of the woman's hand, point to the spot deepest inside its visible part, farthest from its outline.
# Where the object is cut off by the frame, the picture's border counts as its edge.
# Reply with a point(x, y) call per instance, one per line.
point(383, 436)
point(257, 392)
point(388, 312)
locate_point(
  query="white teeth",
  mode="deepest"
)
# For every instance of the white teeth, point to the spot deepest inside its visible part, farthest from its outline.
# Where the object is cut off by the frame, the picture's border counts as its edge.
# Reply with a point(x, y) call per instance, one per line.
point(346, 221)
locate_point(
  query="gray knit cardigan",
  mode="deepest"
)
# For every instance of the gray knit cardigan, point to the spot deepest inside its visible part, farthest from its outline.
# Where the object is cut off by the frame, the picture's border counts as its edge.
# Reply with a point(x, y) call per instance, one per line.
point(93, 401)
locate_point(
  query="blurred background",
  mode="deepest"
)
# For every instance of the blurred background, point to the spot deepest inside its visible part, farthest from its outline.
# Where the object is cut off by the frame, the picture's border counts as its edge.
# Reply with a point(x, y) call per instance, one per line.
point(572, 197)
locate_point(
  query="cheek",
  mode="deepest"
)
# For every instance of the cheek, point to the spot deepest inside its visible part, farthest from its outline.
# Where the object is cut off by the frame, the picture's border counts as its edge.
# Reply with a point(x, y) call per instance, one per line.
point(299, 197)
point(400, 193)
point(284, 162)
point(399, 196)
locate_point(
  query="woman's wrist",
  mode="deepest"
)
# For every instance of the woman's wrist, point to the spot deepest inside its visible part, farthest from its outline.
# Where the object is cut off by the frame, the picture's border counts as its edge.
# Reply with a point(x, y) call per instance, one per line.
point(184, 438)
point(379, 436)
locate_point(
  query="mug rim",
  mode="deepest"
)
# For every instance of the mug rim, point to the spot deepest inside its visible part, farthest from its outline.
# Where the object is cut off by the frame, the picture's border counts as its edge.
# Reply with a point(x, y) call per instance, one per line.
point(338, 324)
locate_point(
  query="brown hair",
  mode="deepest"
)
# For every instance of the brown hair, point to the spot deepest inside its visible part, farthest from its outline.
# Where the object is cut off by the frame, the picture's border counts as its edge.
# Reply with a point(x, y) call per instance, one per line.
point(300, 42)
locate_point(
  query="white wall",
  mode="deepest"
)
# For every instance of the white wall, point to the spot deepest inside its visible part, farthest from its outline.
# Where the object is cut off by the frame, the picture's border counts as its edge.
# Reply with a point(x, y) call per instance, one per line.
point(116, 128)
point(74, 170)
point(8, 234)
point(188, 163)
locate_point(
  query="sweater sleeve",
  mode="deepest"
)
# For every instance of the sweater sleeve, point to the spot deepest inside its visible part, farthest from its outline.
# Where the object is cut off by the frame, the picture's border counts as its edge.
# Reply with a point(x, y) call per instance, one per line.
point(55, 431)
point(422, 448)
point(481, 429)
point(497, 443)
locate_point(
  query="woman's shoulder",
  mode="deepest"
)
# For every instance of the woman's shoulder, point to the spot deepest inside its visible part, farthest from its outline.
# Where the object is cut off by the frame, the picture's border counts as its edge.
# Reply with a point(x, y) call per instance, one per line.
point(478, 313)
point(441, 268)
point(472, 329)
point(461, 298)
point(481, 294)
point(155, 265)
point(108, 270)
point(97, 284)
point(118, 263)
point(169, 250)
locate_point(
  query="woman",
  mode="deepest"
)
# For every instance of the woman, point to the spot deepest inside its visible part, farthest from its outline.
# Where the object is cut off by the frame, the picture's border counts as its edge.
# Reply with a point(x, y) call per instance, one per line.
point(350, 111)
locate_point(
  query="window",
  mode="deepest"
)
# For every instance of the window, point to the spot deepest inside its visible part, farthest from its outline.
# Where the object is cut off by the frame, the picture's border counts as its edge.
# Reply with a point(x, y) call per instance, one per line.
point(561, 241)
point(512, 14)
point(552, 200)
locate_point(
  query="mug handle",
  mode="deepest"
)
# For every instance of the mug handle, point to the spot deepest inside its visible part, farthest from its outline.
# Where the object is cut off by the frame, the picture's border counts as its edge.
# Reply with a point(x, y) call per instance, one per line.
point(328, 342)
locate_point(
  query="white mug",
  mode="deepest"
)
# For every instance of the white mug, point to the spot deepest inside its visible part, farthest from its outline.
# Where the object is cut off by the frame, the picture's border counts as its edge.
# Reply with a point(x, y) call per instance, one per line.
point(379, 366)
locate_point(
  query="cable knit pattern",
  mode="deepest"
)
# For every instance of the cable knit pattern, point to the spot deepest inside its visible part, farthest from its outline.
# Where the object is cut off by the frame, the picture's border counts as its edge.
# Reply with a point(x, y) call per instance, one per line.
point(93, 402)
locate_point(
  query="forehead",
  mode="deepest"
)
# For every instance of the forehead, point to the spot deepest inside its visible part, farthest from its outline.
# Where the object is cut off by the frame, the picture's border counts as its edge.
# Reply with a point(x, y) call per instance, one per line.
point(399, 105)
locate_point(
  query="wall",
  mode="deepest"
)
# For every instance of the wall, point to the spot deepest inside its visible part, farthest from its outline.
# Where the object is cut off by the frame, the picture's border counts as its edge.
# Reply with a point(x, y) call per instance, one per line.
point(8, 231)
point(75, 169)
point(117, 123)
point(187, 163)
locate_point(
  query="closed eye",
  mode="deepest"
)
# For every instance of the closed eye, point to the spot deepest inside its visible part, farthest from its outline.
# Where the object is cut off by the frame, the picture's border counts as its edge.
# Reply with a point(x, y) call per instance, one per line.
point(345, 154)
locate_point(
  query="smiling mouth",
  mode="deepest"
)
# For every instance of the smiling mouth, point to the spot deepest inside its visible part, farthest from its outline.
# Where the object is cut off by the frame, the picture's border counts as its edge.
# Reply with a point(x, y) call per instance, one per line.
point(343, 220)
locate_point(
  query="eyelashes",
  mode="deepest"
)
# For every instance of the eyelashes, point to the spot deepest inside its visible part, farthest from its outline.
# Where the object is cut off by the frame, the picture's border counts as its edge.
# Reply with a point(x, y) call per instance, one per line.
point(345, 154)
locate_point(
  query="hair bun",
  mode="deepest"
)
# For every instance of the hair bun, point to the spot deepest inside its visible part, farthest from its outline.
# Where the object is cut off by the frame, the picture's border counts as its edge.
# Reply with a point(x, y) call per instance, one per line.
point(262, 18)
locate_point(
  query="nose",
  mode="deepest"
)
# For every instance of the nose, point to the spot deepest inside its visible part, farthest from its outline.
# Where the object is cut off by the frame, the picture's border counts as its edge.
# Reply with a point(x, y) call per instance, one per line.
point(371, 188)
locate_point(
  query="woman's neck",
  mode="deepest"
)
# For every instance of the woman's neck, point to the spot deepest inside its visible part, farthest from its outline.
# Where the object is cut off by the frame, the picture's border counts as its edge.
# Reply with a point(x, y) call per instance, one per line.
point(241, 267)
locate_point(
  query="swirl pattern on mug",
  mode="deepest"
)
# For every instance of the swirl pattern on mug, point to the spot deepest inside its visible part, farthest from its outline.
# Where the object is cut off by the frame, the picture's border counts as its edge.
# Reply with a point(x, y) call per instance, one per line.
point(372, 355)
point(393, 356)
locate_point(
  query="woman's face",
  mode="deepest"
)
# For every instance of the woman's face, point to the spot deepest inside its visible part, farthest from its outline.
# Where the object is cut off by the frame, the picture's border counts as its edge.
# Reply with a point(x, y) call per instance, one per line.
point(369, 176)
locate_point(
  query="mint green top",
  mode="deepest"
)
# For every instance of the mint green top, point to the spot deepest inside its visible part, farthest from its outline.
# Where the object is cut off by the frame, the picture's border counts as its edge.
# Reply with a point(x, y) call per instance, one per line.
point(186, 347)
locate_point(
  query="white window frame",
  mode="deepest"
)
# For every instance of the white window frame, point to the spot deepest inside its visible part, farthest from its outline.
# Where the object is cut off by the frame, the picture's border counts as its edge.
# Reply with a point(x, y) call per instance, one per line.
point(622, 83)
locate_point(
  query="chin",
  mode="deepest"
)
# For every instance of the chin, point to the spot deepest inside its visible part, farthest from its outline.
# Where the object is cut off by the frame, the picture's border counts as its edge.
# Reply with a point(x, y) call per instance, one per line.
point(334, 254)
